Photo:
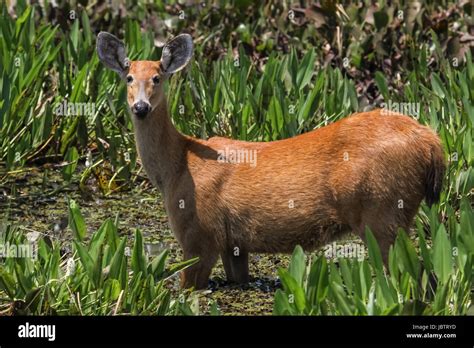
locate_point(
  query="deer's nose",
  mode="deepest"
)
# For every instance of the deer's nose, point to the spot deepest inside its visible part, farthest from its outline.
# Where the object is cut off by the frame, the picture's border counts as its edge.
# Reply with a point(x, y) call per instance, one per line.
point(141, 109)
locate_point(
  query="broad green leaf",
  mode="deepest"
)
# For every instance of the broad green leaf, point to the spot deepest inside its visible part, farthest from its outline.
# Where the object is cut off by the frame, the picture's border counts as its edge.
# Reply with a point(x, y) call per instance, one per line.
point(318, 281)
point(76, 221)
point(87, 263)
point(281, 305)
point(375, 256)
point(297, 265)
point(117, 260)
point(437, 85)
point(382, 85)
point(293, 289)
point(407, 256)
point(442, 255)
point(138, 255)
point(97, 240)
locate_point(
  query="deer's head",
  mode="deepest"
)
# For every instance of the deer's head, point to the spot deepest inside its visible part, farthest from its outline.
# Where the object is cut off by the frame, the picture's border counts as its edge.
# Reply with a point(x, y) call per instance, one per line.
point(144, 78)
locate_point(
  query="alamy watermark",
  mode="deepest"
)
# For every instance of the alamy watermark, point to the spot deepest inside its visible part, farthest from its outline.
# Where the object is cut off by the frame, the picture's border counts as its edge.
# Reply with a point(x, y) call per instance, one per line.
point(28, 330)
point(20, 251)
point(67, 108)
point(394, 108)
point(237, 156)
point(27, 250)
point(346, 250)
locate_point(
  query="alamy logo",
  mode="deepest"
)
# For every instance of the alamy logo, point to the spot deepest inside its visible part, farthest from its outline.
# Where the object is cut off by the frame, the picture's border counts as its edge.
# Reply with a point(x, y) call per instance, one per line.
point(237, 156)
point(37, 331)
point(67, 108)
point(347, 251)
point(394, 108)
point(18, 251)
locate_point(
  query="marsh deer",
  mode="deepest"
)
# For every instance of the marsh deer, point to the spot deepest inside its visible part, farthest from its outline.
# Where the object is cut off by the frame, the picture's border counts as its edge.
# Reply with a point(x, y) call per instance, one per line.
point(368, 169)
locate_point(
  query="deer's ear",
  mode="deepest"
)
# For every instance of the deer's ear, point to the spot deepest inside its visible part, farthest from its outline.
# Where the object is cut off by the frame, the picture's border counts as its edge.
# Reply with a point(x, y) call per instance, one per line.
point(111, 53)
point(177, 53)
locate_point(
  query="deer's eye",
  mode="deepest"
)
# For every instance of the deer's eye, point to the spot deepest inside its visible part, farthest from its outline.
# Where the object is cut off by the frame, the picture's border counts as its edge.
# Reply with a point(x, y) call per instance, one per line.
point(156, 79)
point(129, 79)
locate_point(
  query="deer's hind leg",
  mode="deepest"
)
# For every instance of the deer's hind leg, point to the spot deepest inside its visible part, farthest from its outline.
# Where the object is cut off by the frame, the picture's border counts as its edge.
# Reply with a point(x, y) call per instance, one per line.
point(236, 265)
point(384, 226)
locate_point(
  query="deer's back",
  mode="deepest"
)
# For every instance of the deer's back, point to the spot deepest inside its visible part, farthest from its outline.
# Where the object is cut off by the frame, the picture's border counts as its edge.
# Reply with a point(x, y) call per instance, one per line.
point(313, 185)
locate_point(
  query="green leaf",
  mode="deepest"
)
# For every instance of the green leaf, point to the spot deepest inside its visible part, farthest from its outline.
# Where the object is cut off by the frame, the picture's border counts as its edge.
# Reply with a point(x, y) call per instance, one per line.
point(423, 248)
point(365, 278)
point(138, 255)
point(437, 85)
point(214, 310)
point(275, 114)
point(293, 289)
point(87, 263)
point(440, 305)
point(112, 289)
point(117, 260)
point(318, 281)
point(442, 259)
point(308, 107)
point(7, 283)
point(71, 158)
point(281, 306)
point(297, 265)
point(346, 274)
point(340, 297)
point(157, 266)
point(382, 85)
point(375, 256)
point(178, 267)
point(97, 240)
point(407, 256)
point(306, 70)
point(76, 221)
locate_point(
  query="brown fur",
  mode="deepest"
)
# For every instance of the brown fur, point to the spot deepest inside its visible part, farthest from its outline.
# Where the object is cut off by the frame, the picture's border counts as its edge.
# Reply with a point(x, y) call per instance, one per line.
point(340, 178)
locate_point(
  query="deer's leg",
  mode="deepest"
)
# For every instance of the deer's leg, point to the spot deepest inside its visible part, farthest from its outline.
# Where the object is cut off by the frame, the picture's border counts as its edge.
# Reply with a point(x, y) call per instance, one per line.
point(236, 266)
point(385, 234)
point(383, 240)
point(385, 227)
point(197, 275)
point(385, 237)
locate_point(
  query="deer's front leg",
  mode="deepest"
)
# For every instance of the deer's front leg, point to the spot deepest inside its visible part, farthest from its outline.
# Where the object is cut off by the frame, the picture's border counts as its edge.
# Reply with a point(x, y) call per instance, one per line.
point(236, 265)
point(197, 275)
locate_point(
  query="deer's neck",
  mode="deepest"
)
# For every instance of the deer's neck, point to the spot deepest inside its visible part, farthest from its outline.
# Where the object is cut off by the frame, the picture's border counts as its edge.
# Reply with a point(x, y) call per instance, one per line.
point(161, 147)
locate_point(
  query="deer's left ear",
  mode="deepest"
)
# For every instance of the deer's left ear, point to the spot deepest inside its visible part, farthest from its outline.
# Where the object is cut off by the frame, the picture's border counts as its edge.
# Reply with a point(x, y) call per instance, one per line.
point(177, 53)
point(112, 54)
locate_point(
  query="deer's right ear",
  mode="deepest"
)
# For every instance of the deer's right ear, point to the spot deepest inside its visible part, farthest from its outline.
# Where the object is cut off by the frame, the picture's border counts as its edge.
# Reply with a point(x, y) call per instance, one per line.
point(112, 54)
